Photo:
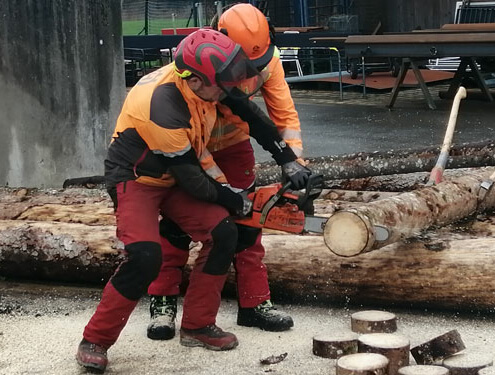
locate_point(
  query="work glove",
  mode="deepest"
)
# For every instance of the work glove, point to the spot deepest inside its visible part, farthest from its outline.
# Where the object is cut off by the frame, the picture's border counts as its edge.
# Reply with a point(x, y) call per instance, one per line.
point(296, 173)
point(247, 204)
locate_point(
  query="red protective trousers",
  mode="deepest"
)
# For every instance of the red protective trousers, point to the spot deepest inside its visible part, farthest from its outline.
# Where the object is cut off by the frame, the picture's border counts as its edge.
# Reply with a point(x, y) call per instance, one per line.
point(237, 163)
point(137, 216)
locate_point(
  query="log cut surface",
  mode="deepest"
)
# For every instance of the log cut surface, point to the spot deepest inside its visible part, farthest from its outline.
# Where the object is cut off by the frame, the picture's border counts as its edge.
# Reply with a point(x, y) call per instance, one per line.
point(423, 370)
point(362, 364)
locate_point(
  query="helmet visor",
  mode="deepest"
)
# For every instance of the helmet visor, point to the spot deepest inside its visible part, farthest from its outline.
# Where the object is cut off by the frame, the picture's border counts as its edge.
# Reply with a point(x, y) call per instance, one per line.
point(238, 77)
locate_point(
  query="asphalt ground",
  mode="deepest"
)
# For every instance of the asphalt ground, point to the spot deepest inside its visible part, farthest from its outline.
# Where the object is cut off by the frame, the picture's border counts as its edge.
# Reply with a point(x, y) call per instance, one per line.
point(364, 124)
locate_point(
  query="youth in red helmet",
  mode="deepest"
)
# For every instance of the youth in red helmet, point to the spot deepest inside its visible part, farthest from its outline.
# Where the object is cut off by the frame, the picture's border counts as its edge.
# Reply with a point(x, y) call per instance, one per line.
point(217, 61)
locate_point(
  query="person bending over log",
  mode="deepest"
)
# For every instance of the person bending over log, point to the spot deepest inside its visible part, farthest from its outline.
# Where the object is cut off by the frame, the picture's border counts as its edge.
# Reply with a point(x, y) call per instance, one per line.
point(155, 165)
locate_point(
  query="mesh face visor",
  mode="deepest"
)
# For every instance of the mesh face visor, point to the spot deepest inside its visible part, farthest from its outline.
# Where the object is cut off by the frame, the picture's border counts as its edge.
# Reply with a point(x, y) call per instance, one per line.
point(238, 77)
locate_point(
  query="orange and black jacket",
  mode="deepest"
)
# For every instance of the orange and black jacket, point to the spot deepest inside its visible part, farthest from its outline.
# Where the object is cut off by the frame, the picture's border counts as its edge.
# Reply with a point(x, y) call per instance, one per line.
point(161, 136)
point(161, 132)
point(229, 131)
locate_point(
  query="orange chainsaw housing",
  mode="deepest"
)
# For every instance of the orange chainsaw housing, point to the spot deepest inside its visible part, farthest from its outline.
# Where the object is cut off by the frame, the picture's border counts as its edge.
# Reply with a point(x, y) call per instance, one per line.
point(284, 215)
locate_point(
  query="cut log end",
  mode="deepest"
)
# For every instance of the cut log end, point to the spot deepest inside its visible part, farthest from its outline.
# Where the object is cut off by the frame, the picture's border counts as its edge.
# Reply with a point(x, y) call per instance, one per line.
point(373, 321)
point(335, 345)
point(438, 348)
point(362, 364)
point(348, 234)
point(487, 371)
point(423, 370)
point(394, 347)
point(467, 363)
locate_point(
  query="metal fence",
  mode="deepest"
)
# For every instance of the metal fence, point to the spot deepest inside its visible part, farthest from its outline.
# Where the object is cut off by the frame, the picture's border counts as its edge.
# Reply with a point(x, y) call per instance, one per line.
point(146, 17)
point(475, 12)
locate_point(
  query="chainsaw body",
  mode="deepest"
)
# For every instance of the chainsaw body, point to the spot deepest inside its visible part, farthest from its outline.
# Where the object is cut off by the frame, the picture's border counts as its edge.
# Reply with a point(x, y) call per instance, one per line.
point(276, 207)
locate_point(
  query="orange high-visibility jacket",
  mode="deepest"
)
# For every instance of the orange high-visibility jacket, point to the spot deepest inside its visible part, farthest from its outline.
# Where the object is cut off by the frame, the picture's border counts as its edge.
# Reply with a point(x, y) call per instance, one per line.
point(230, 130)
point(161, 120)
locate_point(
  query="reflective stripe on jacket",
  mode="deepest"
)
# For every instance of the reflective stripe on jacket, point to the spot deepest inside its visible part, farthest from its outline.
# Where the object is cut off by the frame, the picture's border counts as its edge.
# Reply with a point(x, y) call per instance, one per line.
point(230, 129)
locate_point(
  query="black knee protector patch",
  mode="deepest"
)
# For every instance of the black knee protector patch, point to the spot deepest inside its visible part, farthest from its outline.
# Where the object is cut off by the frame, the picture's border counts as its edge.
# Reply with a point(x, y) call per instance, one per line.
point(176, 236)
point(224, 237)
point(246, 237)
point(141, 267)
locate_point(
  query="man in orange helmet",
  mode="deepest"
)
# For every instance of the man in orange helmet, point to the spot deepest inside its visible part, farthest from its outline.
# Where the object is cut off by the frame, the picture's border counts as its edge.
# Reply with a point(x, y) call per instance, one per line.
point(232, 151)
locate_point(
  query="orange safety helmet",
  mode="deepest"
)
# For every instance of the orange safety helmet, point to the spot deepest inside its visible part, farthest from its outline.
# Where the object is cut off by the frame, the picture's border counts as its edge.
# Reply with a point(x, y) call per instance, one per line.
point(247, 26)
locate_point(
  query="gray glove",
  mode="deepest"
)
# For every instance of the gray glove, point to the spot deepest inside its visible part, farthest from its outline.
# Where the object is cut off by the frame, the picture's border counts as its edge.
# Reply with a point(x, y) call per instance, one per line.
point(247, 204)
point(296, 173)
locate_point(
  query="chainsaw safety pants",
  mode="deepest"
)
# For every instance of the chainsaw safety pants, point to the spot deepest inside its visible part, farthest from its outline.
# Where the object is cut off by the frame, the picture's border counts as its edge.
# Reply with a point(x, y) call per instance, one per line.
point(138, 207)
point(237, 163)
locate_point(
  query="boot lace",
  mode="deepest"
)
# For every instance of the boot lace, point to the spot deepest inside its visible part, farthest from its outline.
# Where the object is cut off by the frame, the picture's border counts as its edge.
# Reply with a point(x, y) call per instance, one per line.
point(164, 306)
point(266, 307)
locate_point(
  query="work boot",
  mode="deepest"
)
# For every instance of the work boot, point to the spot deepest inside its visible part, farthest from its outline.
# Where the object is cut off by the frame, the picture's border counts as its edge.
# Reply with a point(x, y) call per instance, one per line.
point(92, 356)
point(211, 337)
point(163, 310)
point(264, 316)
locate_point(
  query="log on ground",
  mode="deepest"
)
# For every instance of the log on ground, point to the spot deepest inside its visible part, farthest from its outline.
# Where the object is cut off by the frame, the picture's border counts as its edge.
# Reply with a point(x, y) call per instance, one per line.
point(379, 223)
point(438, 348)
point(362, 364)
point(418, 273)
point(386, 163)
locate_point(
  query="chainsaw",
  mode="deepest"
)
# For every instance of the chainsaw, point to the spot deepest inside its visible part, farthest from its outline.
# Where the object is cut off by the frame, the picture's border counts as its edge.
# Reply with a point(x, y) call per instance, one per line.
point(277, 207)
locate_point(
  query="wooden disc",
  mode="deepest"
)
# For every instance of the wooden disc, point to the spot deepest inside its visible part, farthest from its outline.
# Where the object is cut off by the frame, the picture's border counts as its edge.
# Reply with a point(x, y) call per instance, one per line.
point(362, 364)
point(487, 371)
point(347, 234)
point(423, 370)
point(467, 363)
point(394, 347)
point(335, 345)
point(439, 348)
point(373, 321)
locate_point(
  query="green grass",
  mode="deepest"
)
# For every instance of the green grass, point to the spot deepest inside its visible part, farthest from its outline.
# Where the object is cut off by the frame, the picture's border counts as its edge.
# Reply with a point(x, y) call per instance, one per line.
point(155, 26)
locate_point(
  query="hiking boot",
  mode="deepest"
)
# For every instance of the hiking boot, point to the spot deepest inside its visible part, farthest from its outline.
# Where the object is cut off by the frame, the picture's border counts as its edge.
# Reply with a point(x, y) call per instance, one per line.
point(211, 337)
point(92, 356)
point(163, 310)
point(264, 316)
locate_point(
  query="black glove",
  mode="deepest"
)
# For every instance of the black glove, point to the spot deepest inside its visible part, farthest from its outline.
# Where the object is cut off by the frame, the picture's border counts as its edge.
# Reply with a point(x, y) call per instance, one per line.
point(296, 173)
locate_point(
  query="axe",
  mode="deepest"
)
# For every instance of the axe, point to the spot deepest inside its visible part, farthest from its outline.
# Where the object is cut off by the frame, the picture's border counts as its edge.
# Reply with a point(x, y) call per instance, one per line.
point(436, 173)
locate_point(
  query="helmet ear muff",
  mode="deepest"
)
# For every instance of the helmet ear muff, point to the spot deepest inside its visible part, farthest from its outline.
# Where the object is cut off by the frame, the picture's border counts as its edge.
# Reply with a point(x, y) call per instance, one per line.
point(271, 29)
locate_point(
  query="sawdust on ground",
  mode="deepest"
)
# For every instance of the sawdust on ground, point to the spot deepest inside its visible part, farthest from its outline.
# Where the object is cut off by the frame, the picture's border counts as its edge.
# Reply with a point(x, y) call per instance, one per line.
point(40, 328)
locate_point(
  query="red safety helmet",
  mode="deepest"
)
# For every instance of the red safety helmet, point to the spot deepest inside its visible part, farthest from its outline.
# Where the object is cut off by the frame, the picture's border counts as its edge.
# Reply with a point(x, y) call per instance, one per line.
point(217, 60)
point(246, 25)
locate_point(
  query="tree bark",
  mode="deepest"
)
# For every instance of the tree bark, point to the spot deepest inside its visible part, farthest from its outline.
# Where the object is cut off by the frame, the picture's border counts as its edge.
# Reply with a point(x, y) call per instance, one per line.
point(360, 165)
point(380, 223)
point(300, 268)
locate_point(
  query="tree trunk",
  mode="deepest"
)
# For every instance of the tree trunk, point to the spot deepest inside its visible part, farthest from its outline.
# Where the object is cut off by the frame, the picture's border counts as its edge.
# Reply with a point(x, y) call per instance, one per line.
point(361, 165)
point(380, 223)
point(443, 269)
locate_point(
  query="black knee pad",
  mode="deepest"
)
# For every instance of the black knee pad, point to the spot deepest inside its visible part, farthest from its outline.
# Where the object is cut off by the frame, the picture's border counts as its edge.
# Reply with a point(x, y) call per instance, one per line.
point(141, 267)
point(224, 237)
point(247, 237)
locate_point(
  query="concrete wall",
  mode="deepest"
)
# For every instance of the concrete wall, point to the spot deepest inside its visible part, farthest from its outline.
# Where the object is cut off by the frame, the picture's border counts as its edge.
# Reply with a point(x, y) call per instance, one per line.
point(61, 88)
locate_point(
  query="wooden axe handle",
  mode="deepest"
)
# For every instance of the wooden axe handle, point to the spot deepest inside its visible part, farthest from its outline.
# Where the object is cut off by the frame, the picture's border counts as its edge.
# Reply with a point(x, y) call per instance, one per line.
point(437, 171)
